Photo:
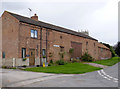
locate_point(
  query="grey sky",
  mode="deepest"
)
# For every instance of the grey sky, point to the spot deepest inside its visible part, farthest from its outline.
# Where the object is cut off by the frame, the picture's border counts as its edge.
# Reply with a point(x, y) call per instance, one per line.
point(99, 17)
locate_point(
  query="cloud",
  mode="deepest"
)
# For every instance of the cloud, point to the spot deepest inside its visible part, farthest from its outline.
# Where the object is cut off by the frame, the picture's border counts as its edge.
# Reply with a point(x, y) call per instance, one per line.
point(99, 17)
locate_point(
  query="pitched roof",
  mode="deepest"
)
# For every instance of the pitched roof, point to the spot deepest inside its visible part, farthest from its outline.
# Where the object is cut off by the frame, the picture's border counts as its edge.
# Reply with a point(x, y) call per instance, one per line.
point(49, 26)
point(102, 46)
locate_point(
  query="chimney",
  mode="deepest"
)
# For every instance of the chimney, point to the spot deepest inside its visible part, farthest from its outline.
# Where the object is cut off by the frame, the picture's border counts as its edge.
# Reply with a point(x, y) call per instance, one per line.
point(35, 17)
point(85, 32)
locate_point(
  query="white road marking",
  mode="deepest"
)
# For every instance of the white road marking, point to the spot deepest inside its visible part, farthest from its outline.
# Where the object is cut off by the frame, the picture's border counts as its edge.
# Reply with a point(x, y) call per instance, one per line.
point(108, 77)
point(106, 74)
point(103, 75)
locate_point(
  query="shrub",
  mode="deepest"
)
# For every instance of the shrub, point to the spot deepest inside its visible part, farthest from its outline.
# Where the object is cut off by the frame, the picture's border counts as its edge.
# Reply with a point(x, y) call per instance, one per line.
point(37, 65)
point(24, 66)
point(4, 67)
point(74, 60)
point(24, 59)
point(113, 52)
point(44, 56)
point(87, 57)
point(71, 50)
point(62, 55)
point(51, 61)
point(60, 62)
point(49, 64)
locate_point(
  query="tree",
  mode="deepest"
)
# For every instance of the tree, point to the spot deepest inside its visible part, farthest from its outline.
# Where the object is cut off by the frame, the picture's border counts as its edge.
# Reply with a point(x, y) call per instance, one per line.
point(117, 49)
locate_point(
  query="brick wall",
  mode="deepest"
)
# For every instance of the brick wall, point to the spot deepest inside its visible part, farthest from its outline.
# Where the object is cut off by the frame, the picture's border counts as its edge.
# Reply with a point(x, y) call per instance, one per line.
point(17, 35)
point(10, 28)
point(54, 39)
point(104, 53)
point(0, 41)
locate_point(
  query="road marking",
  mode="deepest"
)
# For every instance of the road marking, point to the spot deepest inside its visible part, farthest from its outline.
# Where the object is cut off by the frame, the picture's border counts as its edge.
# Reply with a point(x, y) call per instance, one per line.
point(103, 75)
point(106, 76)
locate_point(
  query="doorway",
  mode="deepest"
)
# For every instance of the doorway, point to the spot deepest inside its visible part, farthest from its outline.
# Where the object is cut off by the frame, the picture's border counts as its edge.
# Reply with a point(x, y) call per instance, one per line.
point(32, 57)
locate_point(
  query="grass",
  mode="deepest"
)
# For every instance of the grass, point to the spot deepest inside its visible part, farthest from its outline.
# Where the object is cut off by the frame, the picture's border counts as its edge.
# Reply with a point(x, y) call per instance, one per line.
point(5, 67)
point(70, 68)
point(108, 62)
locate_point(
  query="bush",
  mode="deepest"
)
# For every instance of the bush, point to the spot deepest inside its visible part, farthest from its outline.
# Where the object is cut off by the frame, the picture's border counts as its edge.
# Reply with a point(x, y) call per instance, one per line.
point(71, 50)
point(49, 64)
point(44, 56)
point(87, 57)
point(37, 65)
point(24, 59)
point(60, 62)
point(113, 52)
point(74, 60)
point(4, 67)
point(62, 55)
point(51, 61)
point(24, 66)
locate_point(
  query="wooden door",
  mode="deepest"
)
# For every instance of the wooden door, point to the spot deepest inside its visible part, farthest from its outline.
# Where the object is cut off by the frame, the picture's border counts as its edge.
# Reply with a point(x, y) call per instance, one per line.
point(32, 57)
point(77, 49)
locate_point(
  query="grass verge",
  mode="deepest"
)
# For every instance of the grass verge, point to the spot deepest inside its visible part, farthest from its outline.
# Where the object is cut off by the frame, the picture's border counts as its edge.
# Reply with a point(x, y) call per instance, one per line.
point(108, 62)
point(70, 68)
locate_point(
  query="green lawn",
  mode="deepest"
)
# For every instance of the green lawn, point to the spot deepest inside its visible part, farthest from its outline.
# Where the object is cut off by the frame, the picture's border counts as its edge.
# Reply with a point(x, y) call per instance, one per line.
point(108, 62)
point(70, 68)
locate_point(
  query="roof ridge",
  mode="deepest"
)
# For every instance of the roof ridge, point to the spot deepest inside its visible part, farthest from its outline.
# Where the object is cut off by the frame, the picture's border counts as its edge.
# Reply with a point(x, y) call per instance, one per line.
point(48, 25)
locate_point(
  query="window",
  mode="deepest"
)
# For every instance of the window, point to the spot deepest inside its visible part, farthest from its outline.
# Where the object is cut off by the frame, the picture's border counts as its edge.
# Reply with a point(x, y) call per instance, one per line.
point(43, 52)
point(60, 37)
point(3, 54)
point(86, 43)
point(101, 49)
point(94, 44)
point(87, 46)
point(23, 52)
point(34, 33)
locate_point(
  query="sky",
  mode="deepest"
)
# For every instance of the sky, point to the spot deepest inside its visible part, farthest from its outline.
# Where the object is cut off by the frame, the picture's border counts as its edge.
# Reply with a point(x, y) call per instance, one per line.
point(99, 17)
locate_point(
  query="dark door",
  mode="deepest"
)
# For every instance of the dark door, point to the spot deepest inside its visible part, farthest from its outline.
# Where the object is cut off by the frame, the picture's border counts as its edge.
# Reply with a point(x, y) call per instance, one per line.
point(32, 57)
point(77, 53)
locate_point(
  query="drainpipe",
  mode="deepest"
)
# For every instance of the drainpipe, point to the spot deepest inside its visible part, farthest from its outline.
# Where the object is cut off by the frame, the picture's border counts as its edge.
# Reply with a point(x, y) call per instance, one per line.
point(46, 44)
point(40, 46)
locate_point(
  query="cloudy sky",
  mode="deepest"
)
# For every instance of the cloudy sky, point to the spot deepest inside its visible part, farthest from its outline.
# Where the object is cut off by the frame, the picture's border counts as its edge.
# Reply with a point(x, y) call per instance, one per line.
point(99, 17)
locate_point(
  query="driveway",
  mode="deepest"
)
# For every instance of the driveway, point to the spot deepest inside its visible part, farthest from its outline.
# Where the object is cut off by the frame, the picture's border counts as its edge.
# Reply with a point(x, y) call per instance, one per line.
point(102, 78)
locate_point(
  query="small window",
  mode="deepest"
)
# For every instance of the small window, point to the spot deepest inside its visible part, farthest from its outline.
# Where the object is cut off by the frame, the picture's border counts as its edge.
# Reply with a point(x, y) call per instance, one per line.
point(23, 52)
point(3, 54)
point(43, 52)
point(86, 43)
point(34, 33)
point(94, 44)
point(101, 49)
point(60, 37)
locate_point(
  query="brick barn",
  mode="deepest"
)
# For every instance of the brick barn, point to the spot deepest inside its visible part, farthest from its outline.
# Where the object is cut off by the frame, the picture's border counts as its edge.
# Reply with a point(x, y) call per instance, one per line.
point(29, 38)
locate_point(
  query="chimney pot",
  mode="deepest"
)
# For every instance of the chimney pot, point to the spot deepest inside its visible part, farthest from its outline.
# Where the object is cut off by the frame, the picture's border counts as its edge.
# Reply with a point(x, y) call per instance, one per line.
point(35, 17)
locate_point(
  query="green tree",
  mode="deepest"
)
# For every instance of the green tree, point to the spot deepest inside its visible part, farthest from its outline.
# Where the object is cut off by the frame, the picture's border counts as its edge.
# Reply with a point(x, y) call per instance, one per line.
point(117, 49)
point(111, 49)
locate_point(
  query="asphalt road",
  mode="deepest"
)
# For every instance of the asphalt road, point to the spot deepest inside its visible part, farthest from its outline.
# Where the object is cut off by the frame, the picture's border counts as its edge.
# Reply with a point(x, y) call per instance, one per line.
point(107, 77)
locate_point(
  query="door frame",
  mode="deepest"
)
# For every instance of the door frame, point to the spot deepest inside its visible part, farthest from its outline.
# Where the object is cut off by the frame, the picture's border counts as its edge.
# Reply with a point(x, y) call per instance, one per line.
point(34, 57)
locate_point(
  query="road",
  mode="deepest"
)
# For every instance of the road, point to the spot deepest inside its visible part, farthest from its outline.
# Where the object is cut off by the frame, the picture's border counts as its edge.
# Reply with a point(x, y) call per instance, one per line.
point(107, 77)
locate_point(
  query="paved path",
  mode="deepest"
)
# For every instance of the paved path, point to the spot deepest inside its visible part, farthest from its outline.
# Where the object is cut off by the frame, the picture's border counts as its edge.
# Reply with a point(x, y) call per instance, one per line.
point(12, 78)
point(97, 65)
point(102, 78)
